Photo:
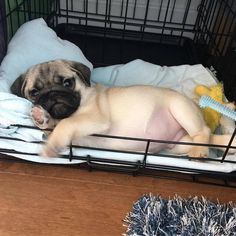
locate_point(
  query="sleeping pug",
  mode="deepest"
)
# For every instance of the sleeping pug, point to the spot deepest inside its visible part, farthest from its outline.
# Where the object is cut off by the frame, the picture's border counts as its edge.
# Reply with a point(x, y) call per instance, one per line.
point(65, 101)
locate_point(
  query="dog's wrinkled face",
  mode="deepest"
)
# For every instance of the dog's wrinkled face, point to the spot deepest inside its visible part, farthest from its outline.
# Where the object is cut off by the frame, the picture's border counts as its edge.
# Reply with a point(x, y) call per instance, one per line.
point(55, 85)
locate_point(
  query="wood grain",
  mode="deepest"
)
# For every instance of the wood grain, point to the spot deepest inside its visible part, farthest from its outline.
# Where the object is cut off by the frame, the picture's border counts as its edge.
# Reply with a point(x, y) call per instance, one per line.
point(55, 200)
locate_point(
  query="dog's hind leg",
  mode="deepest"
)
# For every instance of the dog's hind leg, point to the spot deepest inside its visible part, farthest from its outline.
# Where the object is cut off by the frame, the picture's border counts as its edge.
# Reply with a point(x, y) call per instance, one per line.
point(190, 118)
point(217, 139)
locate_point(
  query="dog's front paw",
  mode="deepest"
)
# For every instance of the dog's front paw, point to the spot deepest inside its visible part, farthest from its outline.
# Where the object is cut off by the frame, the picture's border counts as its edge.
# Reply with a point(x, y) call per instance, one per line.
point(199, 152)
point(48, 152)
point(40, 117)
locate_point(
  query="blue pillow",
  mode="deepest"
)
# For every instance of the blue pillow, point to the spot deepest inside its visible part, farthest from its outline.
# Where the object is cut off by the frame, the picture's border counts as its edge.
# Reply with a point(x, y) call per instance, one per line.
point(33, 43)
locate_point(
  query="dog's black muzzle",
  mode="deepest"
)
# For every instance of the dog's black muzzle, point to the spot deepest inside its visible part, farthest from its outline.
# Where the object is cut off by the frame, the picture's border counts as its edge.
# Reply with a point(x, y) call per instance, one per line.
point(59, 102)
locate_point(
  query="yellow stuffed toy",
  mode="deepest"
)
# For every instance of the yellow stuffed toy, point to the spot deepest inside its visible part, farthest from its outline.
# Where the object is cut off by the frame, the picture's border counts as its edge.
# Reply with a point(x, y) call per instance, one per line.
point(211, 116)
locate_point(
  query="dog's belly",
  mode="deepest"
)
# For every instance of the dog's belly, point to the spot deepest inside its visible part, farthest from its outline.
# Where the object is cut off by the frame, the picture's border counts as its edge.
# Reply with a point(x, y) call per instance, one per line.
point(163, 126)
point(160, 125)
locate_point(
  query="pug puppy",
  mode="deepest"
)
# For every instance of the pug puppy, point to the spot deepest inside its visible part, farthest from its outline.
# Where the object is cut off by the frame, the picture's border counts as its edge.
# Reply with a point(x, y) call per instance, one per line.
point(65, 101)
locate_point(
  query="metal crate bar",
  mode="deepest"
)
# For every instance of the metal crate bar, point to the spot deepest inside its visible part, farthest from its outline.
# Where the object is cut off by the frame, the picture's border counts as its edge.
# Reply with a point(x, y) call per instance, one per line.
point(203, 29)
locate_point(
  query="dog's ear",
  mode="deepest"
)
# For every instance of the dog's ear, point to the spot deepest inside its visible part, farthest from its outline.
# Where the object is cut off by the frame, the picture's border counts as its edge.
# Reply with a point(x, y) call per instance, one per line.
point(82, 70)
point(17, 86)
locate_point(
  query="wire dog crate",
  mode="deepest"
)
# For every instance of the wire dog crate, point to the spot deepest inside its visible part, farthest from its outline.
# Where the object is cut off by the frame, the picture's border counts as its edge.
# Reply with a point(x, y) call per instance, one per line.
point(172, 32)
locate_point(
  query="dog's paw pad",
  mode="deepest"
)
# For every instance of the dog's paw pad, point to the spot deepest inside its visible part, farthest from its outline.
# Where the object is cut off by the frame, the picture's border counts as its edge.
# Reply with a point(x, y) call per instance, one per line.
point(199, 152)
point(40, 117)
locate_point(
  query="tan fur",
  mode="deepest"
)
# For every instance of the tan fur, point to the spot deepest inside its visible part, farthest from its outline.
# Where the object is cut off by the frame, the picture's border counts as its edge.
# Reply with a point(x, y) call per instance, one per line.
point(124, 111)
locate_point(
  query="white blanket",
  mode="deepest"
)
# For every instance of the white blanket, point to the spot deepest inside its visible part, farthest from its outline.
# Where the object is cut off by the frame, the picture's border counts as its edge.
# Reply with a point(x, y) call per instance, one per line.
point(15, 110)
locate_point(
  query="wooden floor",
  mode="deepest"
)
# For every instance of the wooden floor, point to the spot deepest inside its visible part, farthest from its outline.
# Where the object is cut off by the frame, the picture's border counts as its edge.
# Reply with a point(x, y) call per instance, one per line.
point(48, 200)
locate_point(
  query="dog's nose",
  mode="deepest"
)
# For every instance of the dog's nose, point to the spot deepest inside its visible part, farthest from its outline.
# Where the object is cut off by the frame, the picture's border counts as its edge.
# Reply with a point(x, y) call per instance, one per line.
point(59, 102)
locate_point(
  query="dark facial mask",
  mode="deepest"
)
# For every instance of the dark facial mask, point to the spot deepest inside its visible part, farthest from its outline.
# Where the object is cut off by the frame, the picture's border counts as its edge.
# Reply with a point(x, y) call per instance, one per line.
point(59, 102)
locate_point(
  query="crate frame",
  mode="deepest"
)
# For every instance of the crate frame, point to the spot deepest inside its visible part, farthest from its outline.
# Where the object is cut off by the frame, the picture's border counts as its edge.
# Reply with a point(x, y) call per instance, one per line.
point(207, 37)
